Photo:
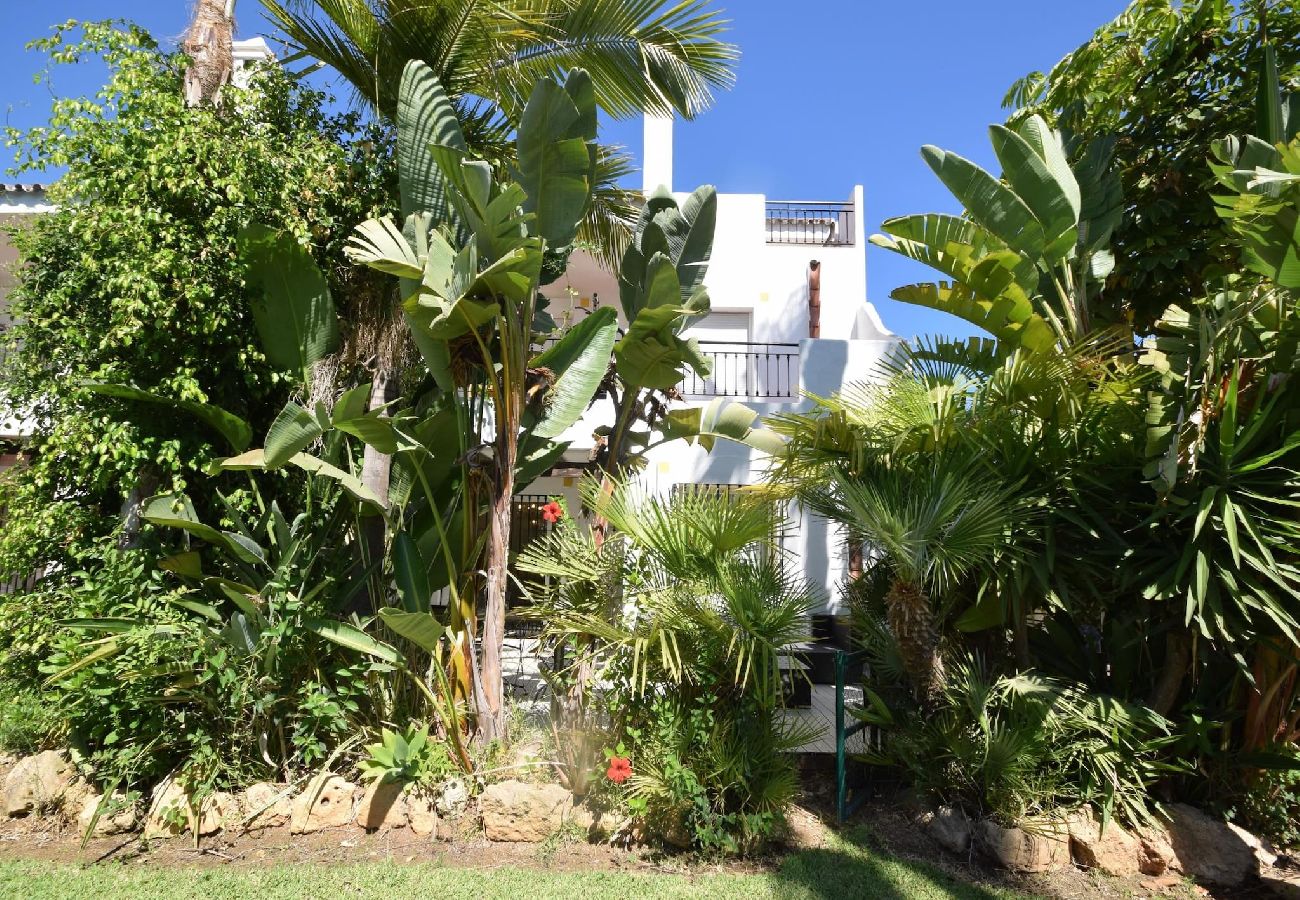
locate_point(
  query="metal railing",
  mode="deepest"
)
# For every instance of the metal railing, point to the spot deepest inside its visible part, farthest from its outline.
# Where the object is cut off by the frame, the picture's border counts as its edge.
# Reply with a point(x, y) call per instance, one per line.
point(743, 369)
point(823, 223)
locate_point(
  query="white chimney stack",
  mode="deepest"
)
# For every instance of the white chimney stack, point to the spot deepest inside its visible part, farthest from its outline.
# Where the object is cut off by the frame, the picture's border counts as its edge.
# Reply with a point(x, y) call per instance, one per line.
point(657, 153)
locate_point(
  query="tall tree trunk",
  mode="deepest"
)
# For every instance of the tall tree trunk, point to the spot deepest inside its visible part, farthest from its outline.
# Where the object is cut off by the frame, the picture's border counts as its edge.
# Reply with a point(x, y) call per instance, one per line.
point(146, 485)
point(912, 622)
point(209, 45)
point(376, 469)
point(1178, 655)
point(492, 721)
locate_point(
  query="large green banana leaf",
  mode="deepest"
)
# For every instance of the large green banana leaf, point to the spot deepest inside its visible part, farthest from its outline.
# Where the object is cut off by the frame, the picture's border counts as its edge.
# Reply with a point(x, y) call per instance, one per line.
point(291, 300)
point(578, 362)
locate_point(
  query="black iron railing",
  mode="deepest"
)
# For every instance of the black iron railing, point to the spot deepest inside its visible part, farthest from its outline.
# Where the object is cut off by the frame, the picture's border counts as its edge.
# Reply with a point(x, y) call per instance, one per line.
point(828, 223)
point(742, 369)
point(526, 525)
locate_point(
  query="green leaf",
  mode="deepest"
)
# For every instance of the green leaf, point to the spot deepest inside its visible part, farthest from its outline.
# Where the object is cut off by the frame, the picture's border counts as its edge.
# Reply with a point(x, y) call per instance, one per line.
point(425, 116)
point(420, 628)
point(1053, 204)
point(722, 419)
point(988, 201)
point(290, 300)
point(293, 430)
point(1006, 319)
point(555, 162)
point(579, 361)
point(411, 573)
point(176, 511)
point(353, 638)
point(237, 432)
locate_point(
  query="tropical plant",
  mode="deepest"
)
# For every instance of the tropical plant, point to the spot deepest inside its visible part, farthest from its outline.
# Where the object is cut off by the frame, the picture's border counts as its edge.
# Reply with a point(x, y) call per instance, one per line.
point(1022, 748)
point(1165, 81)
point(1029, 253)
point(406, 757)
point(684, 612)
point(643, 55)
point(473, 311)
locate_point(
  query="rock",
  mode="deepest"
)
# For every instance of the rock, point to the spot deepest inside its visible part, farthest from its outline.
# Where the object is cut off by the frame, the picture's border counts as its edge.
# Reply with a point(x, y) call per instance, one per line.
point(1110, 850)
point(383, 807)
point(949, 828)
point(517, 811)
point(453, 798)
point(323, 805)
point(267, 805)
point(1022, 851)
point(421, 814)
point(39, 783)
point(1210, 851)
point(1155, 855)
point(172, 811)
point(117, 816)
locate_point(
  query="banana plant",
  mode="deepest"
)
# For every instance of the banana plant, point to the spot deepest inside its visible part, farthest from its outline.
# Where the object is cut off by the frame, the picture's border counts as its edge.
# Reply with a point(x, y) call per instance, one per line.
point(468, 285)
point(1029, 250)
point(661, 292)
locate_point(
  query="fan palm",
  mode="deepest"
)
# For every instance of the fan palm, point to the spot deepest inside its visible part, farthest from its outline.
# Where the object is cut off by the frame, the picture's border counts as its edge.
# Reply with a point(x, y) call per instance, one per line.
point(929, 525)
point(643, 55)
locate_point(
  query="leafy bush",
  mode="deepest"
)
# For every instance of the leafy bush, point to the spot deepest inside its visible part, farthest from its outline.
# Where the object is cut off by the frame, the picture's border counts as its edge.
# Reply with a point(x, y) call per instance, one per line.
point(680, 615)
point(28, 722)
point(1022, 747)
point(1270, 805)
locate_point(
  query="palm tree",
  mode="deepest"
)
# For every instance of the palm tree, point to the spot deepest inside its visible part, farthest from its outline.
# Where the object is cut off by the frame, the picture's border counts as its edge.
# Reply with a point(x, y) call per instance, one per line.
point(643, 56)
point(929, 525)
point(208, 45)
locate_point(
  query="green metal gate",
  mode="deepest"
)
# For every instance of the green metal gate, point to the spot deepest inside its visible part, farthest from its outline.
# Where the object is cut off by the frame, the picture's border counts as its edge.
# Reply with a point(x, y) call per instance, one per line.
point(845, 805)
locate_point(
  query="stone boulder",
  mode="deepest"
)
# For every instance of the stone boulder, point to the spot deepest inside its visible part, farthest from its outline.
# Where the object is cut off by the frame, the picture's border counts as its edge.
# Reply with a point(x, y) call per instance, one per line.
point(421, 813)
point(173, 812)
point(948, 827)
point(42, 783)
point(1211, 851)
point(517, 811)
point(383, 807)
point(322, 805)
point(117, 816)
point(1024, 851)
point(267, 805)
point(1110, 850)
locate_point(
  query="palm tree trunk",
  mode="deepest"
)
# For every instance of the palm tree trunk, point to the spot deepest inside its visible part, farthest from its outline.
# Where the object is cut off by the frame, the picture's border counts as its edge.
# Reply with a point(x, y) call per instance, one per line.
point(376, 469)
point(912, 622)
point(1178, 655)
point(209, 45)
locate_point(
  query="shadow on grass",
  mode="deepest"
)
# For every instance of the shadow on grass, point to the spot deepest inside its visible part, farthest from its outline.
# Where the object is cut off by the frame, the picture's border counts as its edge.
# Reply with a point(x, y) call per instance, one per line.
point(852, 867)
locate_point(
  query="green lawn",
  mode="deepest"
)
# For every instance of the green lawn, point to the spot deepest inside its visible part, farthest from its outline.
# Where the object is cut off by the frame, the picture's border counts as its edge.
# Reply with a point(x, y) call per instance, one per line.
point(845, 871)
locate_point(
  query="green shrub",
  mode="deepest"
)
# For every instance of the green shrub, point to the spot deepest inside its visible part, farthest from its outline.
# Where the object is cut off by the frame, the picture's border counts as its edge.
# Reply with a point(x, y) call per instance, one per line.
point(1022, 747)
point(28, 722)
point(1270, 805)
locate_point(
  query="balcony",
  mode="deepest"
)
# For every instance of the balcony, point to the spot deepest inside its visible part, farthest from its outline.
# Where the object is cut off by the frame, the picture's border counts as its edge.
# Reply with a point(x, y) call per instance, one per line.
point(817, 223)
point(746, 370)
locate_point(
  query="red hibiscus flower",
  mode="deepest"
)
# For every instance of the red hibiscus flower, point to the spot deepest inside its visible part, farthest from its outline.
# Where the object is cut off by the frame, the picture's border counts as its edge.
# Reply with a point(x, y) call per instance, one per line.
point(620, 769)
point(552, 512)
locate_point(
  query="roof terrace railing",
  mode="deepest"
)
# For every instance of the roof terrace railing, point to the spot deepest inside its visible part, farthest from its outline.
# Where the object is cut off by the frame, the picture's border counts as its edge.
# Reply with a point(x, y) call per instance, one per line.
point(821, 223)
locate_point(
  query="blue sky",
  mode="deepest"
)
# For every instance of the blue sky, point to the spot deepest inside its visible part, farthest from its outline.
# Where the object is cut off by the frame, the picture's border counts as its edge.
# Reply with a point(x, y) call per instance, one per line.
point(829, 93)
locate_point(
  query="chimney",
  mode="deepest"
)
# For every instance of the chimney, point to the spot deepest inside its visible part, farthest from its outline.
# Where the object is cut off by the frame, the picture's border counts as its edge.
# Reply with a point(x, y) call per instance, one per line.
point(814, 299)
point(657, 153)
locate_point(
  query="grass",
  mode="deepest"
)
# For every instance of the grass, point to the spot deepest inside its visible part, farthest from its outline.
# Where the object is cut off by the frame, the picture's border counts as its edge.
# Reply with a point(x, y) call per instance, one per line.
point(846, 869)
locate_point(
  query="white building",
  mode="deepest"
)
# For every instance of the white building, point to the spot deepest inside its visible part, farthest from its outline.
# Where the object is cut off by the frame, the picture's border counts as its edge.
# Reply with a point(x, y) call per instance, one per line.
point(767, 336)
